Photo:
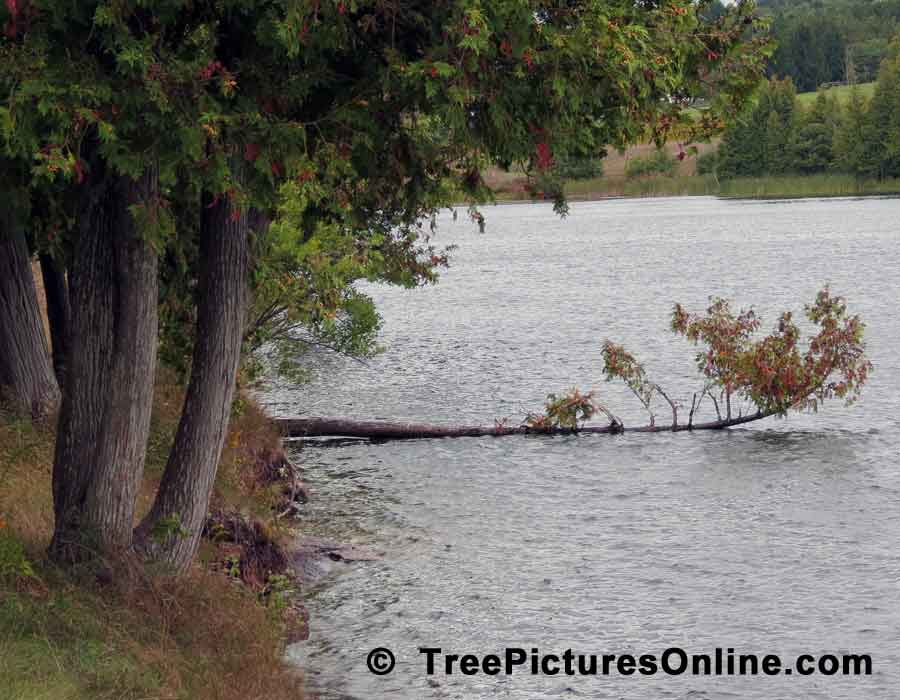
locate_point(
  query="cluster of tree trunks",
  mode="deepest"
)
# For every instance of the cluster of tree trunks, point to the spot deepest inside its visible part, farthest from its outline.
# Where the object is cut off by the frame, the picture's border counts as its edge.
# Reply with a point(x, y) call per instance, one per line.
point(102, 303)
point(386, 430)
point(191, 469)
point(27, 380)
point(104, 418)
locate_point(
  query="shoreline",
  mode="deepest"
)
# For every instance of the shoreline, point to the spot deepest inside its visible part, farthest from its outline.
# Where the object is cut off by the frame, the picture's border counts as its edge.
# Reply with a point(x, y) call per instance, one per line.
point(244, 596)
point(760, 188)
point(608, 197)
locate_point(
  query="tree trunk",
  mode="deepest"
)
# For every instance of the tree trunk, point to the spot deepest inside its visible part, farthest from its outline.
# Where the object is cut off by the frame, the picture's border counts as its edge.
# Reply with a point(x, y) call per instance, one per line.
point(171, 530)
point(26, 375)
point(108, 393)
point(385, 430)
point(56, 289)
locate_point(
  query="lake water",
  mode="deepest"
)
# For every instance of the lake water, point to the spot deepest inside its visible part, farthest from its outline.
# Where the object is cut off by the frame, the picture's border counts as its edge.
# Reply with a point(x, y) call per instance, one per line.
point(782, 537)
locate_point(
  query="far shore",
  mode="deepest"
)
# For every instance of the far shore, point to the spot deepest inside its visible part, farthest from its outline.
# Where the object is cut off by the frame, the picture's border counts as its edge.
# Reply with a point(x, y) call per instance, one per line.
point(785, 187)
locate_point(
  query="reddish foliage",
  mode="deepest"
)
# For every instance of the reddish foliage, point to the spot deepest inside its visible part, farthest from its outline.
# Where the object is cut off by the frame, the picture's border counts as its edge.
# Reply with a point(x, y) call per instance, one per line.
point(11, 28)
point(543, 155)
point(79, 172)
point(251, 152)
point(210, 70)
point(773, 372)
point(528, 58)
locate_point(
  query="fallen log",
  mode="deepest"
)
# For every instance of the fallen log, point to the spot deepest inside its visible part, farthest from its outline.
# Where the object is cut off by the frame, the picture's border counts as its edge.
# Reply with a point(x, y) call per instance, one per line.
point(769, 373)
point(389, 430)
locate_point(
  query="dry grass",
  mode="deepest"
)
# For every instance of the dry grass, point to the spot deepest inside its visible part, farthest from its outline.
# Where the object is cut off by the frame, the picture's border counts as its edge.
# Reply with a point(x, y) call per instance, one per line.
point(512, 185)
point(65, 636)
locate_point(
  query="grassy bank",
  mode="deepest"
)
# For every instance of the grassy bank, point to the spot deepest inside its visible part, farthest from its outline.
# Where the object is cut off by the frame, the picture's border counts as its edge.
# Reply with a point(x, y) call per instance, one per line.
point(806, 186)
point(79, 636)
point(787, 187)
point(677, 185)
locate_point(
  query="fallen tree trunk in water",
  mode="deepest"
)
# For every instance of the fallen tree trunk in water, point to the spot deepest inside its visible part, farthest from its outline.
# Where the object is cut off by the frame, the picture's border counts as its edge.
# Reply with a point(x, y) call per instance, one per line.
point(388, 430)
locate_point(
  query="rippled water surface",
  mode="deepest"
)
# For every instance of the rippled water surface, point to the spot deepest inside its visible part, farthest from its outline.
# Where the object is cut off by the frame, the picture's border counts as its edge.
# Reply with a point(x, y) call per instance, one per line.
point(783, 537)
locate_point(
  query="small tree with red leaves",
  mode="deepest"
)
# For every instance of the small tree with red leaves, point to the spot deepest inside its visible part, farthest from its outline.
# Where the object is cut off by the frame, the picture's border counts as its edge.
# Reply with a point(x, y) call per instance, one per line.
point(773, 373)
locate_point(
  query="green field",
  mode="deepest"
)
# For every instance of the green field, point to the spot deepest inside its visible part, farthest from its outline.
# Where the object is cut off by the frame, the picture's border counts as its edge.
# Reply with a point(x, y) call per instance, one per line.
point(807, 99)
point(842, 92)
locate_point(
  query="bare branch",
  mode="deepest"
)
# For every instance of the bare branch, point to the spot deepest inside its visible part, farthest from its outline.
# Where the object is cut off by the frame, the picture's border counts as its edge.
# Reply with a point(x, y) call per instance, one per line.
point(671, 403)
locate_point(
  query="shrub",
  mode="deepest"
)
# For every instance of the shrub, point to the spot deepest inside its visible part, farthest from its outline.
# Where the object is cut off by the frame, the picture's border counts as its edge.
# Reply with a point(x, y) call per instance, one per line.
point(708, 163)
point(657, 163)
point(579, 168)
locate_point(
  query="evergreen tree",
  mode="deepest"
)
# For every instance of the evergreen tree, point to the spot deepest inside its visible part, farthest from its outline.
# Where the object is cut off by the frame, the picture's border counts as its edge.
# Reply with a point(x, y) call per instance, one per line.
point(759, 142)
point(883, 133)
point(283, 149)
point(850, 138)
point(814, 141)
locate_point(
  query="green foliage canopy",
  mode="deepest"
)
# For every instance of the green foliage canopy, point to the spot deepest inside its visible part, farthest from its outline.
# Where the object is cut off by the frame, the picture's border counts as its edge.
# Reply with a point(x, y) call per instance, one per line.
point(351, 121)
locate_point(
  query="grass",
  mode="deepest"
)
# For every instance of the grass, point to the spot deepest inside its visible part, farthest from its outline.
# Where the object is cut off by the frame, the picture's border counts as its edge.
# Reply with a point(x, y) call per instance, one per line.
point(658, 186)
point(788, 187)
point(68, 635)
point(806, 186)
point(842, 92)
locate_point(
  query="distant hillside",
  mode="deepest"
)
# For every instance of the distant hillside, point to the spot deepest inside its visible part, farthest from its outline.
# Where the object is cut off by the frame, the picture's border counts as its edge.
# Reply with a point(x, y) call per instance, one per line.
point(825, 41)
point(841, 92)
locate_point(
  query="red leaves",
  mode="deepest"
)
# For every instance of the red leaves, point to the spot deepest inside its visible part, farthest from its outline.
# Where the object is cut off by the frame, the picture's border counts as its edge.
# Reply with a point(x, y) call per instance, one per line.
point(210, 70)
point(79, 172)
point(342, 8)
point(251, 152)
point(543, 155)
point(12, 28)
point(506, 48)
point(772, 371)
point(528, 59)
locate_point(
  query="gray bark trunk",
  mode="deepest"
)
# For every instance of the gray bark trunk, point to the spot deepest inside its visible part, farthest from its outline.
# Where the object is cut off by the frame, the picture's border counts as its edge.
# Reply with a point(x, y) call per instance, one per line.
point(386, 430)
point(26, 375)
point(108, 393)
point(56, 289)
point(171, 531)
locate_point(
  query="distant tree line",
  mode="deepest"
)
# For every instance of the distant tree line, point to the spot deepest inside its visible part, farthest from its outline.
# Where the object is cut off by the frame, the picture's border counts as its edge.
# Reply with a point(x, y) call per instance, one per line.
point(824, 41)
point(779, 136)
